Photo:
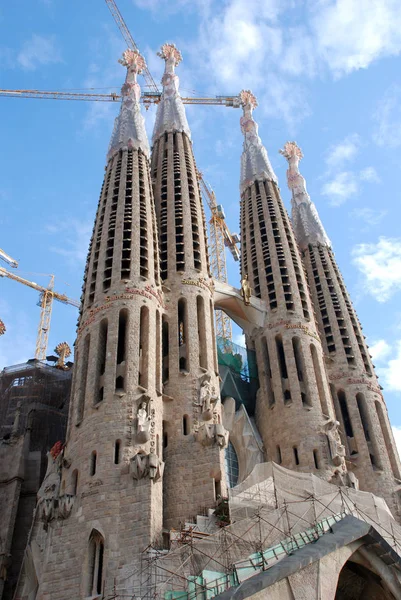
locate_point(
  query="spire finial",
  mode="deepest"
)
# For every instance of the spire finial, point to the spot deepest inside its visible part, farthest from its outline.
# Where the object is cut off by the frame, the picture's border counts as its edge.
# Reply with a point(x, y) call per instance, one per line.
point(170, 111)
point(129, 127)
point(255, 163)
point(307, 224)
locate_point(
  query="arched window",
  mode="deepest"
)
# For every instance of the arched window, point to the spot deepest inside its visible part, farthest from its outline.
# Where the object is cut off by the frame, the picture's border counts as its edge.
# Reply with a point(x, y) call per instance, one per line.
point(232, 467)
point(95, 564)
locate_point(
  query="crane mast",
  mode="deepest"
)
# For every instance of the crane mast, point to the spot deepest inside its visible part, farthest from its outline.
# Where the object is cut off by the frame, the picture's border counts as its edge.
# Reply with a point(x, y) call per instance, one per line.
point(220, 238)
point(47, 295)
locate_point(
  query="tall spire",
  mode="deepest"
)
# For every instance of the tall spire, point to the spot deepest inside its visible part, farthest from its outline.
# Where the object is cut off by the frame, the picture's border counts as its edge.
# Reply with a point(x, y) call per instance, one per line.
point(255, 163)
point(170, 111)
point(306, 221)
point(129, 127)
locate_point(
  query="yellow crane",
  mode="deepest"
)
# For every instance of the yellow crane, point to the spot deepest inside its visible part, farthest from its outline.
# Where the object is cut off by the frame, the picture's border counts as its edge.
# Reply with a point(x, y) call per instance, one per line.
point(220, 238)
point(47, 295)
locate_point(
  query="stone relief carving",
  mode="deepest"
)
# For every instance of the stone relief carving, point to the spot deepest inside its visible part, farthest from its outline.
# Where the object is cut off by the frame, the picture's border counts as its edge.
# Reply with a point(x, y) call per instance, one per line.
point(146, 465)
point(207, 397)
point(210, 434)
point(50, 504)
point(143, 421)
point(337, 449)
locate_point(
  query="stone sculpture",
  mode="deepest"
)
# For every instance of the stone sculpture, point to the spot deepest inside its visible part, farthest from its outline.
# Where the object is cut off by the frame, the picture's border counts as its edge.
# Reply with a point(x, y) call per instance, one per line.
point(337, 449)
point(208, 398)
point(146, 465)
point(246, 291)
point(143, 418)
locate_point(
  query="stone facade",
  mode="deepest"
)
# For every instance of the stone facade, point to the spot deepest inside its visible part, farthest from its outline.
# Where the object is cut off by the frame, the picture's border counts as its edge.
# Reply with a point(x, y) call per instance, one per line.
point(356, 394)
point(194, 437)
point(293, 405)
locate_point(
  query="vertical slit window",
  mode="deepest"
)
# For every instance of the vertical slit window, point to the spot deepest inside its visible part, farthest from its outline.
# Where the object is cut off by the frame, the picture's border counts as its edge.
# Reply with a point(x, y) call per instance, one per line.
point(211, 308)
point(127, 224)
point(84, 378)
point(101, 364)
point(143, 371)
point(92, 463)
point(268, 373)
point(360, 400)
point(158, 352)
point(117, 451)
point(345, 414)
point(185, 425)
point(319, 380)
point(165, 349)
point(143, 220)
point(111, 231)
point(74, 482)
point(183, 334)
point(388, 439)
point(278, 455)
point(200, 307)
point(281, 357)
point(95, 566)
point(163, 229)
point(178, 209)
point(296, 455)
point(121, 349)
point(316, 459)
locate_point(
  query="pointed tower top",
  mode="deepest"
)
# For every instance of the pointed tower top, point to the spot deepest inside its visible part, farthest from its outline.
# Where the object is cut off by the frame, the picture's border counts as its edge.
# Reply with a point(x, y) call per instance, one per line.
point(306, 221)
point(255, 163)
point(129, 127)
point(170, 111)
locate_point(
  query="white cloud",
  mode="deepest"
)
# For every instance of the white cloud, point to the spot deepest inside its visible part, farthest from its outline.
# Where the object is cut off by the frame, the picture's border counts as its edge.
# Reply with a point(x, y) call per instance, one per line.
point(351, 34)
point(73, 236)
point(39, 50)
point(379, 350)
point(380, 267)
point(370, 216)
point(342, 187)
point(369, 174)
point(343, 152)
point(390, 373)
point(388, 118)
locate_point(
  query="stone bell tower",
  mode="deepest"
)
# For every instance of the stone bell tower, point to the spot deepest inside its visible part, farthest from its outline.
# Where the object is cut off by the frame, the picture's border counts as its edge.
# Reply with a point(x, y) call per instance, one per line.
point(358, 400)
point(108, 506)
point(193, 437)
point(294, 411)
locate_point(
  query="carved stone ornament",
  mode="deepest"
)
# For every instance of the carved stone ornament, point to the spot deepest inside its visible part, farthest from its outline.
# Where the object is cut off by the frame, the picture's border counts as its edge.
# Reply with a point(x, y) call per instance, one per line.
point(50, 504)
point(255, 164)
point(212, 434)
point(129, 127)
point(207, 397)
point(337, 450)
point(170, 114)
point(143, 421)
point(146, 465)
point(306, 221)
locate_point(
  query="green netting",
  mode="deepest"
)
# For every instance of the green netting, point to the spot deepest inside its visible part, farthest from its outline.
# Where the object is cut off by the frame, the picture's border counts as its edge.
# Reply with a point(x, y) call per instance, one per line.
point(238, 359)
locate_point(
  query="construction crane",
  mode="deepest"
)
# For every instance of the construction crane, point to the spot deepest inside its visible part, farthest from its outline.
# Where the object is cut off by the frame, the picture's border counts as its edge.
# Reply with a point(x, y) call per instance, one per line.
point(7, 258)
point(47, 295)
point(220, 238)
point(219, 233)
point(147, 98)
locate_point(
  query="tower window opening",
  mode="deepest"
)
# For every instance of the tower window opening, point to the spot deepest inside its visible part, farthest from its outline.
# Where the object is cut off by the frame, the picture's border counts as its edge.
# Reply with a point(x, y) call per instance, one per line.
point(388, 439)
point(158, 352)
point(122, 332)
point(214, 344)
point(316, 459)
point(95, 571)
point(281, 357)
point(117, 450)
point(296, 456)
point(360, 400)
point(319, 380)
point(84, 377)
point(92, 465)
point(182, 334)
point(101, 364)
point(200, 307)
point(165, 349)
point(143, 371)
point(345, 415)
point(278, 455)
point(268, 373)
point(185, 425)
point(120, 383)
point(287, 397)
point(165, 435)
point(296, 345)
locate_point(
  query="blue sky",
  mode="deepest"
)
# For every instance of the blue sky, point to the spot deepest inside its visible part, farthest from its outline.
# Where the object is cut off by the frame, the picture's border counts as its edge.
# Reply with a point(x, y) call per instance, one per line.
point(326, 73)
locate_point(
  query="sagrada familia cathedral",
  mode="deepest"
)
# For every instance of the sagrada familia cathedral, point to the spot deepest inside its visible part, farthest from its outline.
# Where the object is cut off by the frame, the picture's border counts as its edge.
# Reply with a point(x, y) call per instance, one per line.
point(166, 485)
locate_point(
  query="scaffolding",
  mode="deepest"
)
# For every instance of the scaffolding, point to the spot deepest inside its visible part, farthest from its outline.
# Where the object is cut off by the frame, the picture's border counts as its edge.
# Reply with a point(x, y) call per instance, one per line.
point(274, 513)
